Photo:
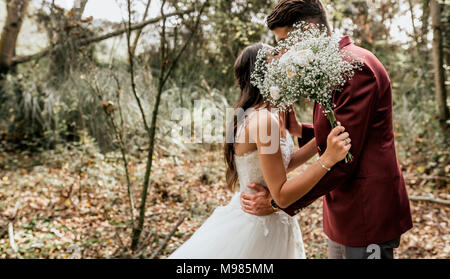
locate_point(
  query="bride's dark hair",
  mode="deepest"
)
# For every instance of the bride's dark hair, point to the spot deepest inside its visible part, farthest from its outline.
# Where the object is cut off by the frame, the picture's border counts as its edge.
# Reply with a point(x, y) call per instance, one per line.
point(250, 97)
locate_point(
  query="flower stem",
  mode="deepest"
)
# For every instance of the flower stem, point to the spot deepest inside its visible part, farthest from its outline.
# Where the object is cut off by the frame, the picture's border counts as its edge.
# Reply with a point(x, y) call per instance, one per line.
point(332, 119)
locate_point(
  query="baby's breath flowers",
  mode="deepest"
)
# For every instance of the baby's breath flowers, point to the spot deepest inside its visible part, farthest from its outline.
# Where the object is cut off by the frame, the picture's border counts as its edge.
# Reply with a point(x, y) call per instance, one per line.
point(307, 64)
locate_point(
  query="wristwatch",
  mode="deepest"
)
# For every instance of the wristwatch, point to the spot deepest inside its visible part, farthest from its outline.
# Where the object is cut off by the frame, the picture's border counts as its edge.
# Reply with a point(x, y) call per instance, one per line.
point(275, 207)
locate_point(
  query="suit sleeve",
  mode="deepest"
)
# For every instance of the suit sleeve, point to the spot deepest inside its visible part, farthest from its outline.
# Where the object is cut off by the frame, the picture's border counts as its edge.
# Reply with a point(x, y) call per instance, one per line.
point(354, 106)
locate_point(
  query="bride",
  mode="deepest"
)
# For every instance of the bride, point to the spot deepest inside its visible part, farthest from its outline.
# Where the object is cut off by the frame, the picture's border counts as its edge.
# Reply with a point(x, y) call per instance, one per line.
point(262, 153)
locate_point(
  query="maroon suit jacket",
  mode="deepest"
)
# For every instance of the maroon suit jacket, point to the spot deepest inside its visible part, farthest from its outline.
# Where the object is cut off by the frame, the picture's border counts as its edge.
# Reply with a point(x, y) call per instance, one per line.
point(365, 201)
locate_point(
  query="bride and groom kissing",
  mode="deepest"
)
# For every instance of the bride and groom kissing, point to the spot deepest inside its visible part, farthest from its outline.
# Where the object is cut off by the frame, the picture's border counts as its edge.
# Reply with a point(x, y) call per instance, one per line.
point(365, 203)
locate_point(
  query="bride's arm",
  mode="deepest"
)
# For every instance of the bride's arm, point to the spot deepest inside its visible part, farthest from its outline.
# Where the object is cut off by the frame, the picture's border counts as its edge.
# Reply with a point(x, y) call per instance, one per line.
point(302, 155)
point(283, 191)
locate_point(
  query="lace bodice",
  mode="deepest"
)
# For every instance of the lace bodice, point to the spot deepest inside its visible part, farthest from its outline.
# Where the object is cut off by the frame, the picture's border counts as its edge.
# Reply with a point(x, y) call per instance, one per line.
point(248, 166)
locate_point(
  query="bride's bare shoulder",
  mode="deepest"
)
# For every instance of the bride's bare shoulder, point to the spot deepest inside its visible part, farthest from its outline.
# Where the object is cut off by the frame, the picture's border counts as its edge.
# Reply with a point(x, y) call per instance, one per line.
point(262, 124)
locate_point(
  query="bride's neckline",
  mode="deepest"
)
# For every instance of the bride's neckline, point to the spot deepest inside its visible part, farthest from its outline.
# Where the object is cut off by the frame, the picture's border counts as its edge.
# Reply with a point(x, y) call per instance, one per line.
point(246, 154)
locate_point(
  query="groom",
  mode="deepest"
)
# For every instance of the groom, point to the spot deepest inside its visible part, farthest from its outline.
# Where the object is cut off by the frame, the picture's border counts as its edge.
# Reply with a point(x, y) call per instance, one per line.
point(365, 204)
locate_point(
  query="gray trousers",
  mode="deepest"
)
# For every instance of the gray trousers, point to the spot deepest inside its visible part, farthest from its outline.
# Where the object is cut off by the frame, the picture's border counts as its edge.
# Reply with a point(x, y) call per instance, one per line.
point(373, 251)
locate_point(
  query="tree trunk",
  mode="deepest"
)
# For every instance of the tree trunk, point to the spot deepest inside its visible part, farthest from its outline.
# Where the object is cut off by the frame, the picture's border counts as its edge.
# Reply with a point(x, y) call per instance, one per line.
point(66, 59)
point(78, 9)
point(15, 14)
point(424, 31)
point(447, 35)
point(438, 55)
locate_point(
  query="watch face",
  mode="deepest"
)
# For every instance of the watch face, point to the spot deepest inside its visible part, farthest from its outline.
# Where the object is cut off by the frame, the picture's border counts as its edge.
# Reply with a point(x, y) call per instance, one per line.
point(274, 205)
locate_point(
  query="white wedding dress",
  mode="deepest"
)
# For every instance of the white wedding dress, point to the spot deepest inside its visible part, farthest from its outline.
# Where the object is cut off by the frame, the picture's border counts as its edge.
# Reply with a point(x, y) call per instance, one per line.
point(231, 233)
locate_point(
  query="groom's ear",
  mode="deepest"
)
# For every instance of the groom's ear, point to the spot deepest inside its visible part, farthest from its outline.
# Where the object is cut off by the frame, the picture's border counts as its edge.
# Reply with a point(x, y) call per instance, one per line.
point(281, 33)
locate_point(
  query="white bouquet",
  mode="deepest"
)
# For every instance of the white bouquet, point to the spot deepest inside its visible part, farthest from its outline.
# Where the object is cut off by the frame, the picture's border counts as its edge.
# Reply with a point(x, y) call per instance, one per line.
point(307, 64)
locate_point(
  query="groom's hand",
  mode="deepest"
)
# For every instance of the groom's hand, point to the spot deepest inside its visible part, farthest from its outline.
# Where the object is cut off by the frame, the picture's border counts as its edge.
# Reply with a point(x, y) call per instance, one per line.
point(292, 124)
point(257, 203)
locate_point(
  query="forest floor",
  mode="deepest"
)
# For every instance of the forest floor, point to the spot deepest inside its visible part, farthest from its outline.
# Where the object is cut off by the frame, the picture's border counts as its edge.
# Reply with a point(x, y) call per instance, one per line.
point(73, 203)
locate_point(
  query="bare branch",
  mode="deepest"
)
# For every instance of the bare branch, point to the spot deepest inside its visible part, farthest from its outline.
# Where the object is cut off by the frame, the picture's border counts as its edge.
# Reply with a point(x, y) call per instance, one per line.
point(174, 63)
point(430, 199)
point(139, 32)
point(12, 219)
point(131, 64)
point(12, 243)
point(45, 52)
point(168, 237)
point(108, 109)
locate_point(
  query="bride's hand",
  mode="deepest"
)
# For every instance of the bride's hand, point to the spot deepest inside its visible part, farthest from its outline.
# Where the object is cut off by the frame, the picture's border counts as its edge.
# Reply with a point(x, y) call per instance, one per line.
point(338, 145)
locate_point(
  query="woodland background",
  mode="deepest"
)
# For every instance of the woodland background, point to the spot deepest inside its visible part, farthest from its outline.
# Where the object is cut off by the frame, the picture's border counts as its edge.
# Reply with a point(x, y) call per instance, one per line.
point(88, 166)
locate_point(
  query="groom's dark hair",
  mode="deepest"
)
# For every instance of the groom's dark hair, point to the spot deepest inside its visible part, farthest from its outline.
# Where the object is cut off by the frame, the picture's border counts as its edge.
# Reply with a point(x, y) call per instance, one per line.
point(289, 12)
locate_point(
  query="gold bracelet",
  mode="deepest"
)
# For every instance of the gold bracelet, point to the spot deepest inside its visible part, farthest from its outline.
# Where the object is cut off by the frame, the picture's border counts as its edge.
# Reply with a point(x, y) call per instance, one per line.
point(323, 166)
